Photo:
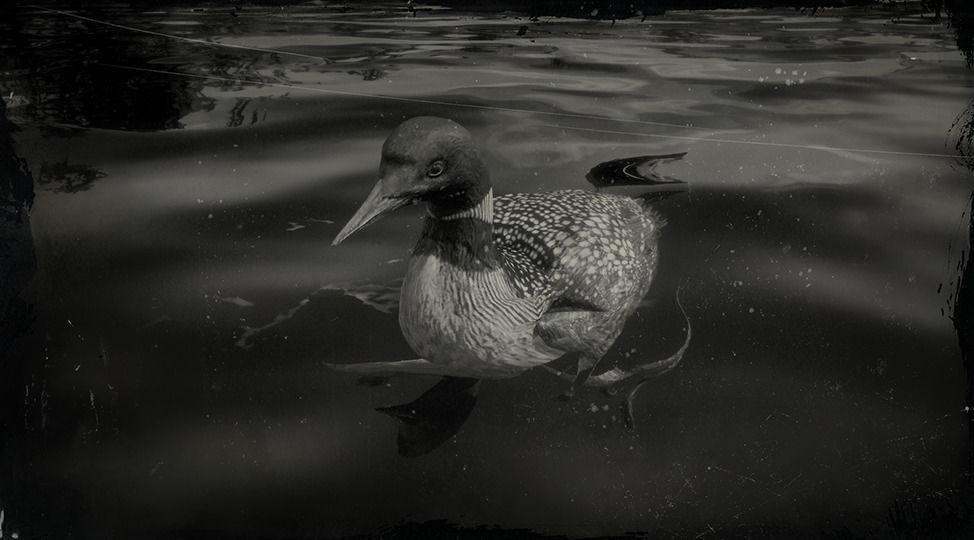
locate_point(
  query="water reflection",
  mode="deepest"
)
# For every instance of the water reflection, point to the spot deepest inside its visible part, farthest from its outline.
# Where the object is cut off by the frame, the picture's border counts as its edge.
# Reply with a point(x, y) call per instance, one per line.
point(67, 177)
point(17, 268)
point(36, 416)
point(962, 298)
point(961, 19)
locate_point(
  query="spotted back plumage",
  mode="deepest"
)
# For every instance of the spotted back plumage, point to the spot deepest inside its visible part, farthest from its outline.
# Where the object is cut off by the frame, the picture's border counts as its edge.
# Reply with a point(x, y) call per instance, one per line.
point(582, 248)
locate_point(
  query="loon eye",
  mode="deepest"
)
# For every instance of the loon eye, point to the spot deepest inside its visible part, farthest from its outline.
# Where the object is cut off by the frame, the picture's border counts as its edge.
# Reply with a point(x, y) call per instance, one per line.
point(436, 169)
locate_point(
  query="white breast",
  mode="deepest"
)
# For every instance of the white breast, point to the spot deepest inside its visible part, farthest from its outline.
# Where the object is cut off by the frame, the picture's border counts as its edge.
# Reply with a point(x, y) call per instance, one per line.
point(471, 319)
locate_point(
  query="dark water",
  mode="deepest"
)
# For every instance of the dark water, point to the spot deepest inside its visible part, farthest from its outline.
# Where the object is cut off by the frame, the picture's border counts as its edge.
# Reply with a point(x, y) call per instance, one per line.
point(187, 297)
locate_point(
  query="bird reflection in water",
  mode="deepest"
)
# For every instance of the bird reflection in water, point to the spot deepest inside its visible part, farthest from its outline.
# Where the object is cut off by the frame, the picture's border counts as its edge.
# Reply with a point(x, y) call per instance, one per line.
point(497, 286)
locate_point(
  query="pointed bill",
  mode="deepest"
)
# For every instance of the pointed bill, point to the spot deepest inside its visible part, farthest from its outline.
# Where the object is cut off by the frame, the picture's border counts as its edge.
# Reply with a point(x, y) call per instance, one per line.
point(377, 203)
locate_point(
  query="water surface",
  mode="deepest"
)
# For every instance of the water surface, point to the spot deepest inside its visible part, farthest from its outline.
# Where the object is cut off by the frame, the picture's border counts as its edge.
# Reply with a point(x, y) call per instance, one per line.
point(188, 296)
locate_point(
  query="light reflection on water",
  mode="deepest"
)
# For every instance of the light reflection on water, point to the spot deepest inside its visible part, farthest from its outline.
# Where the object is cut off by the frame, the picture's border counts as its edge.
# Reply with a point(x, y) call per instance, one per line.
point(822, 380)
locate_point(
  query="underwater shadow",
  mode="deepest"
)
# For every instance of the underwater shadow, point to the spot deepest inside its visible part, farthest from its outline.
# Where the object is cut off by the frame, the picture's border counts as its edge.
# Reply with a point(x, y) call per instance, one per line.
point(431, 419)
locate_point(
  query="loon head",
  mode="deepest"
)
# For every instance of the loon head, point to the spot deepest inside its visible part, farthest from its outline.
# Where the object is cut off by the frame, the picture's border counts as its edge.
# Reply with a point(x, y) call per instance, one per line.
point(425, 159)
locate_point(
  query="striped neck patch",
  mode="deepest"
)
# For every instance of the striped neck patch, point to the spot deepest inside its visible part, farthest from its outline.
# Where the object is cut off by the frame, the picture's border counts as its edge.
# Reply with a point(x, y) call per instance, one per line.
point(484, 210)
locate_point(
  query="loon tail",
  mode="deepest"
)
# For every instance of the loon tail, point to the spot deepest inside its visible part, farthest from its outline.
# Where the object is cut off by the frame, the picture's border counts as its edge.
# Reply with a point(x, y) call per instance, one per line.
point(638, 171)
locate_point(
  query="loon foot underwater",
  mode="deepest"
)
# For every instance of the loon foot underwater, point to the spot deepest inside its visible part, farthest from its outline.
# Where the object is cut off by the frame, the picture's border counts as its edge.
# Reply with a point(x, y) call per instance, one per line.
point(496, 286)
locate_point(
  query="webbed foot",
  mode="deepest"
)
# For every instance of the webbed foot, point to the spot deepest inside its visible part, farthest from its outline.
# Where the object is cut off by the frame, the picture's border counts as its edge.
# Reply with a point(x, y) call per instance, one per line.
point(610, 378)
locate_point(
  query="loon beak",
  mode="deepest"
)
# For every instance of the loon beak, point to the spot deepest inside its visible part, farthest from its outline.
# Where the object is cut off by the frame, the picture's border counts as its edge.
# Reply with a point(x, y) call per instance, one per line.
point(379, 202)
